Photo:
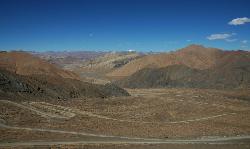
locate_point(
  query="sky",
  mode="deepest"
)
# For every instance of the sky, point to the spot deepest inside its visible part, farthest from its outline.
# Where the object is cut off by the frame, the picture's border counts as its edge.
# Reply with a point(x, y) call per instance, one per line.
point(142, 25)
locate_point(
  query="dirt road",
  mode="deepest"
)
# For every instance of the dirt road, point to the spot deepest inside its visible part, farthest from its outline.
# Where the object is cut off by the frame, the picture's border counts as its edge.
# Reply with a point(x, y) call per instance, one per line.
point(73, 112)
point(120, 139)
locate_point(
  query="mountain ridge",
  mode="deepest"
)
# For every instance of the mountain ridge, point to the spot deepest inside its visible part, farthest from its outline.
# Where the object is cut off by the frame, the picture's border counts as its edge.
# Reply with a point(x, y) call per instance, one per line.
point(227, 69)
point(194, 56)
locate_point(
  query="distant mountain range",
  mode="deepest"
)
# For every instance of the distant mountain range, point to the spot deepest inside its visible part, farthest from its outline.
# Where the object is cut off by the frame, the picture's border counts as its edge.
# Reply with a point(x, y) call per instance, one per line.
point(58, 74)
point(64, 58)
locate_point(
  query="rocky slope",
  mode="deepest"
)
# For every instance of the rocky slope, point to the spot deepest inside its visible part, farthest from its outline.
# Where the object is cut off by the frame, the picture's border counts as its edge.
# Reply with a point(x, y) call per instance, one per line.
point(23, 74)
point(53, 87)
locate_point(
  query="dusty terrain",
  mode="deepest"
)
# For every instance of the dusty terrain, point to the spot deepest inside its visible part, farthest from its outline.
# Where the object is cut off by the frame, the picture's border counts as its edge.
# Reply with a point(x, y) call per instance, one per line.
point(150, 118)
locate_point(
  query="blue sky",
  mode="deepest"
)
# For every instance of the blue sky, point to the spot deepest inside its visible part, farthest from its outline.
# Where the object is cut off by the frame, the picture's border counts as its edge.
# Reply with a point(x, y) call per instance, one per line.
point(143, 25)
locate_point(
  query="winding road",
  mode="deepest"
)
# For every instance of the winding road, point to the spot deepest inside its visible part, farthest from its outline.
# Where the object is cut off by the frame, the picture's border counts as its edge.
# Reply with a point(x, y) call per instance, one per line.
point(73, 112)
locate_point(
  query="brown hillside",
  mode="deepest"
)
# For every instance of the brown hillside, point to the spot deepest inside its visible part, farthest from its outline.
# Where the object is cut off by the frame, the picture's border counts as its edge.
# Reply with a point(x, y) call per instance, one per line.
point(231, 70)
point(193, 56)
point(23, 63)
point(29, 76)
point(51, 87)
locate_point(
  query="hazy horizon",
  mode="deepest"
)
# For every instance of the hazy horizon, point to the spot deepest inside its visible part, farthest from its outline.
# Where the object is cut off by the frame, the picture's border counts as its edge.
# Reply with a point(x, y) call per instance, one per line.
point(117, 50)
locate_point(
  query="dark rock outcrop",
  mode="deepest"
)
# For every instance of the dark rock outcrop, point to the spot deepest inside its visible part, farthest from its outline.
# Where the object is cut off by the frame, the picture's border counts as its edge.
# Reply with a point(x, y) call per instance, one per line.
point(55, 87)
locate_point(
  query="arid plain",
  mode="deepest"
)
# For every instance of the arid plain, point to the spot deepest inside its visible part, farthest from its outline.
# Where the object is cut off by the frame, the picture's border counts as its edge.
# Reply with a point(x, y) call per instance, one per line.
point(160, 117)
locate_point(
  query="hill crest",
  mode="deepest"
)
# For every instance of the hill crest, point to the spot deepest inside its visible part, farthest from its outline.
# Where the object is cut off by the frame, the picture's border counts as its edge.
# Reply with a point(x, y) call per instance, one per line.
point(193, 56)
point(23, 63)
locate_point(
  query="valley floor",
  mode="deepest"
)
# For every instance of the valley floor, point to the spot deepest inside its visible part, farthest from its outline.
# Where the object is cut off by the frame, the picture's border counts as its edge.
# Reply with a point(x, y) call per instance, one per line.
point(150, 118)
